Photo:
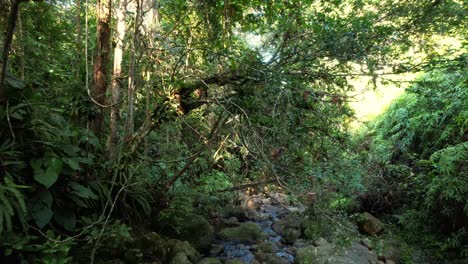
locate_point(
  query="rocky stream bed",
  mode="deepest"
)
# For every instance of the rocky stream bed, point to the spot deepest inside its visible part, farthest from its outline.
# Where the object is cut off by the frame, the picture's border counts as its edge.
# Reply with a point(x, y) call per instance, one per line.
point(264, 230)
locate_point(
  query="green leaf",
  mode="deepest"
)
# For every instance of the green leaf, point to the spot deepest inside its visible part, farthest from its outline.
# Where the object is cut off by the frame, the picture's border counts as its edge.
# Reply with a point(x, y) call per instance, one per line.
point(41, 214)
point(50, 176)
point(45, 197)
point(70, 150)
point(72, 163)
point(66, 218)
point(82, 191)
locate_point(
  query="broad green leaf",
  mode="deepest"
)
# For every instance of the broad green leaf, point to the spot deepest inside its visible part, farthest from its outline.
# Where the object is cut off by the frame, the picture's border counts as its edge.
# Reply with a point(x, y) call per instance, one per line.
point(41, 214)
point(72, 163)
point(66, 218)
point(45, 197)
point(82, 191)
point(50, 176)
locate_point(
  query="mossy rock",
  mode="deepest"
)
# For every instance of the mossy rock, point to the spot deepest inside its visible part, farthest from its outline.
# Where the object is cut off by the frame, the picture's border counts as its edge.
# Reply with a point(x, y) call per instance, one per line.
point(180, 258)
point(186, 226)
point(247, 232)
point(234, 261)
point(267, 247)
point(210, 261)
point(306, 255)
point(241, 213)
point(185, 247)
point(270, 258)
point(153, 244)
point(370, 225)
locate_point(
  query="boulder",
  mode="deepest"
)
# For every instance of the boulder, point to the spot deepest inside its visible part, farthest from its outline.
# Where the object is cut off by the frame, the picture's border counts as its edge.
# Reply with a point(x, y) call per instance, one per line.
point(186, 226)
point(246, 232)
point(369, 224)
point(320, 242)
point(186, 248)
point(367, 243)
point(210, 261)
point(153, 244)
point(180, 258)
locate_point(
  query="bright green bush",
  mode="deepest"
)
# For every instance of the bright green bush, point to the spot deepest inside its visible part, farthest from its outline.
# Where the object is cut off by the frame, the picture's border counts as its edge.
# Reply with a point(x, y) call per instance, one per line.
point(419, 149)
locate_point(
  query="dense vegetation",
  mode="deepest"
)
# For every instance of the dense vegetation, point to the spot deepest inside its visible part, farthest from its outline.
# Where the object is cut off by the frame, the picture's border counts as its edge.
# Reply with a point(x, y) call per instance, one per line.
point(206, 96)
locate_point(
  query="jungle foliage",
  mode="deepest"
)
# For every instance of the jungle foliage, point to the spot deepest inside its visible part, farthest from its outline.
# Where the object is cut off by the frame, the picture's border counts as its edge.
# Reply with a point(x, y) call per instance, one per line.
point(416, 154)
point(215, 94)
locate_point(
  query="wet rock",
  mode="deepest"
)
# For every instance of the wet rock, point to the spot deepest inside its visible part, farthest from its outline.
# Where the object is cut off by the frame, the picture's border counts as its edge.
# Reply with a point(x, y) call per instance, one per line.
point(370, 225)
point(210, 261)
point(270, 258)
point(186, 226)
point(185, 248)
point(246, 232)
point(180, 258)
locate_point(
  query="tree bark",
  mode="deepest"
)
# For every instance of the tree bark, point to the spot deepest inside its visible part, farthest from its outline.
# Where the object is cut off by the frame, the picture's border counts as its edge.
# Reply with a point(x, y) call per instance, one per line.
point(12, 19)
point(78, 38)
point(21, 44)
point(130, 125)
point(100, 72)
point(113, 140)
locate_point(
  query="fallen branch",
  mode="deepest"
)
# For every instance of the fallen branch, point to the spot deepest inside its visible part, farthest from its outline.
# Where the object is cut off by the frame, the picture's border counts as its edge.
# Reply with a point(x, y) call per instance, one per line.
point(194, 156)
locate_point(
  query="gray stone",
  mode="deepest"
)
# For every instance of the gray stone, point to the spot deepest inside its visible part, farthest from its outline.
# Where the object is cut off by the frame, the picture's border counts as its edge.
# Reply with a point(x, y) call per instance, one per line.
point(320, 242)
point(367, 243)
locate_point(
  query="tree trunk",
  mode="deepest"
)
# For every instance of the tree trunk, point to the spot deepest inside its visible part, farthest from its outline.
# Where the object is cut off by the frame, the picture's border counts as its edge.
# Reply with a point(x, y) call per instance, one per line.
point(101, 60)
point(78, 39)
point(12, 19)
point(130, 125)
point(113, 140)
point(21, 44)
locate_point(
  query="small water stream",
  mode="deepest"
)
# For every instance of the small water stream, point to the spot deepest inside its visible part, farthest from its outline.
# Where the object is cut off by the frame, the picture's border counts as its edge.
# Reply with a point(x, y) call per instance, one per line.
point(245, 252)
